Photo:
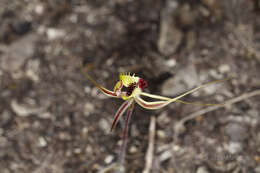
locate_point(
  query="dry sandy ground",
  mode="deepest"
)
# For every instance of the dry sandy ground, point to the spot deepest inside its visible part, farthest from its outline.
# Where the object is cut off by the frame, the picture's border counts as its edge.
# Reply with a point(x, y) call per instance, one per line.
point(53, 120)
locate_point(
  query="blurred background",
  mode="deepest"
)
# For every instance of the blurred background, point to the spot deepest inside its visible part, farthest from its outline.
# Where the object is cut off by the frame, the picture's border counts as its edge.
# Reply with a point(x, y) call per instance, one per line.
point(53, 120)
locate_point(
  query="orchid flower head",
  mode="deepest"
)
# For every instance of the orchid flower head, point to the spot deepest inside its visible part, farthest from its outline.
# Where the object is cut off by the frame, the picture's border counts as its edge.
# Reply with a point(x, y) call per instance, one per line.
point(133, 86)
point(130, 88)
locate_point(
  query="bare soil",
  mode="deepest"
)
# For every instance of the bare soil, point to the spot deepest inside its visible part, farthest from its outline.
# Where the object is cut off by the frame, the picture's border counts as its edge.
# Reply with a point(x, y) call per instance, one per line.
point(53, 120)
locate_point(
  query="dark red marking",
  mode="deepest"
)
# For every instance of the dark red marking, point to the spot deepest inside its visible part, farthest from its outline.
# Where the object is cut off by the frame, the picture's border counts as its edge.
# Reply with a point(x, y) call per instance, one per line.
point(130, 89)
point(142, 84)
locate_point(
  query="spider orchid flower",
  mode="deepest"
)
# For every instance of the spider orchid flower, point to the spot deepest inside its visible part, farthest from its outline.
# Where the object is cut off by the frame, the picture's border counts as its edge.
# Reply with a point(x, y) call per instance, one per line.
point(130, 88)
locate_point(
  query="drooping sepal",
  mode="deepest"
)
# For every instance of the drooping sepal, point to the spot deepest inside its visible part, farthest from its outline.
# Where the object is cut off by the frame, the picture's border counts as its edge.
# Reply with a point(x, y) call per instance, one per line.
point(120, 112)
point(125, 133)
point(104, 90)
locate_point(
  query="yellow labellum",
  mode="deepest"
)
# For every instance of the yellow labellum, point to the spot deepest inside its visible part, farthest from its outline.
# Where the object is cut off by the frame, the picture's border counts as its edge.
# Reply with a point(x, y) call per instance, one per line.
point(127, 79)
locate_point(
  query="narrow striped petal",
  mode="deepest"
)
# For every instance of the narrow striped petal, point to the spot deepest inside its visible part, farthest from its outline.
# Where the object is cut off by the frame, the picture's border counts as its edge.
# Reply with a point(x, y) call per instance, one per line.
point(125, 133)
point(118, 86)
point(180, 101)
point(151, 105)
point(160, 104)
point(120, 112)
point(104, 90)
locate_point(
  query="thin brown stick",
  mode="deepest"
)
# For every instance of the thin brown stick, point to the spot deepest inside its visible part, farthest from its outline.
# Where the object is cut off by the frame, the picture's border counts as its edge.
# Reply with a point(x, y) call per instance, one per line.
point(213, 108)
point(150, 150)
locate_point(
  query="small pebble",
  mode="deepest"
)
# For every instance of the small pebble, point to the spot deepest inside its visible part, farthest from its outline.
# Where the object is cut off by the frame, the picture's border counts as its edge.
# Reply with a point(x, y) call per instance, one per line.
point(32, 75)
point(161, 134)
point(109, 159)
point(89, 149)
point(64, 136)
point(87, 89)
point(73, 18)
point(133, 149)
point(170, 63)
point(77, 150)
point(215, 74)
point(233, 147)
point(19, 109)
point(88, 108)
point(224, 68)
point(42, 142)
point(175, 148)
point(45, 115)
point(53, 33)
point(39, 9)
point(165, 155)
point(85, 130)
point(104, 125)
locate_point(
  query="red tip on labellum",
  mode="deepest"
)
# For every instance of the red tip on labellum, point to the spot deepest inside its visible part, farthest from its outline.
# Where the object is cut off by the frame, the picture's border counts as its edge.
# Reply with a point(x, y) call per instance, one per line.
point(142, 84)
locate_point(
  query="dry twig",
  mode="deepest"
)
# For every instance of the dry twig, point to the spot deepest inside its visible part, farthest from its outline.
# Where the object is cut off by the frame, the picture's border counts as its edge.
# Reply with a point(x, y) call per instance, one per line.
point(242, 97)
point(150, 150)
